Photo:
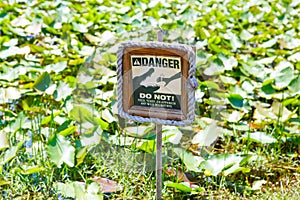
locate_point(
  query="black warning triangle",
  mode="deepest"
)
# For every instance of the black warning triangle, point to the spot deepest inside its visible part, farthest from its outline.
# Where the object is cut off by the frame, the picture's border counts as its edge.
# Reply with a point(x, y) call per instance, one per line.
point(136, 61)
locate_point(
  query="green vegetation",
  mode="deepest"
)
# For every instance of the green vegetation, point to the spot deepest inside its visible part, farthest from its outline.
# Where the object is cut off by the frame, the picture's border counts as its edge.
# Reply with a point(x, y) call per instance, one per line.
point(60, 137)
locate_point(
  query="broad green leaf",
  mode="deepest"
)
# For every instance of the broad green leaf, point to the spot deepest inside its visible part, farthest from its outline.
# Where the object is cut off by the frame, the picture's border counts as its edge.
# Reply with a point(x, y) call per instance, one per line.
point(217, 163)
point(93, 188)
point(228, 80)
point(248, 86)
point(234, 41)
point(3, 100)
point(199, 95)
point(11, 153)
point(107, 116)
point(265, 61)
point(138, 131)
point(67, 189)
point(32, 170)
point(254, 69)
point(268, 89)
point(80, 192)
point(60, 151)
point(20, 21)
point(171, 134)
point(295, 57)
point(207, 136)
point(43, 82)
point(34, 28)
point(87, 50)
point(80, 27)
point(93, 136)
point(269, 43)
point(179, 186)
point(63, 90)
point(236, 89)
point(283, 75)
point(289, 42)
point(81, 154)
point(236, 100)
point(107, 38)
point(11, 42)
point(83, 113)
point(121, 140)
point(294, 86)
point(261, 114)
point(257, 185)
point(148, 146)
point(2, 182)
point(191, 161)
point(20, 122)
point(12, 93)
point(228, 62)
point(3, 140)
point(104, 125)
point(77, 61)
point(17, 31)
point(35, 49)
point(214, 68)
point(236, 168)
point(210, 84)
point(12, 51)
point(48, 119)
point(246, 35)
point(57, 67)
point(233, 116)
point(260, 137)
point(282, 112)
point(68, 131)
point(92, 39)
point(51, 89)
point(294, 3)
point(109, 58)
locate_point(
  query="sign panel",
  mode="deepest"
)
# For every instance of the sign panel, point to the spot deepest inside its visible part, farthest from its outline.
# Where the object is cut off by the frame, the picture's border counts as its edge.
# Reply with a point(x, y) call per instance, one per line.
point(156, 81)
point(153, 83)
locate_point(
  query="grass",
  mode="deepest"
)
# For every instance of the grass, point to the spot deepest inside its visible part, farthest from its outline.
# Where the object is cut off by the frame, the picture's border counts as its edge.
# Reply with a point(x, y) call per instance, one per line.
point(134, 170)
point(30, 117)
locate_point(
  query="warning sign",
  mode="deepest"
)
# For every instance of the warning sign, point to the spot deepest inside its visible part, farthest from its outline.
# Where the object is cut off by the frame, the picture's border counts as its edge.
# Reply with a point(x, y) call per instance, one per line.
point(156, 81)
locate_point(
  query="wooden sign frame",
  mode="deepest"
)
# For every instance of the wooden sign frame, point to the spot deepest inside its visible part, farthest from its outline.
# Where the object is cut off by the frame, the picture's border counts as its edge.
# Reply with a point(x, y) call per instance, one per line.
point(176, 60)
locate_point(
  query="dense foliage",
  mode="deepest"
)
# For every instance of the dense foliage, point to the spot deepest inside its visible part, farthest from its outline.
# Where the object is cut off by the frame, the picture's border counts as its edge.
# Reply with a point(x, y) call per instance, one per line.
point(60, 135)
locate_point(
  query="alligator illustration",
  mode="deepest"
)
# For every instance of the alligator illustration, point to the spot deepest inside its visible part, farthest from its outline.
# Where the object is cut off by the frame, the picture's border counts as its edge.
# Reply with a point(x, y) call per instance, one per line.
point(138, 79)
point(168, 80)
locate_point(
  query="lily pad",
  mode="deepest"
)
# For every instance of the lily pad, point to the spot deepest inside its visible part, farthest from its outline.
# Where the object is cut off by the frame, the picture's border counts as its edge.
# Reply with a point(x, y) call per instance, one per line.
point(191, 162)
point(61, 151)
point(207, 136)
point(43, 82)
point(236, 100)
point(260, 137)
point(215, 164)
point(3, 140)
point(283, 75)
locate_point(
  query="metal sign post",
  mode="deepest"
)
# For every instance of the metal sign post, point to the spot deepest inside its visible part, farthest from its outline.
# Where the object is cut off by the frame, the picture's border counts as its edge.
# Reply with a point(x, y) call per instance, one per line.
point(159, 145)
point(158, 161)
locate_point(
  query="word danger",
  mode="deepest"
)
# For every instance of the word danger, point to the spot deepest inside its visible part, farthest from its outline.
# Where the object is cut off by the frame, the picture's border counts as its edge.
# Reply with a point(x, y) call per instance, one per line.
point(156, 61)
point(162, 97)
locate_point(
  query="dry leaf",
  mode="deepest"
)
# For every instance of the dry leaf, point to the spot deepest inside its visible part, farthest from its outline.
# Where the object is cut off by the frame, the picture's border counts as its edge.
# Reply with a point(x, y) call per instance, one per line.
point(180, 174)
point(107, 186)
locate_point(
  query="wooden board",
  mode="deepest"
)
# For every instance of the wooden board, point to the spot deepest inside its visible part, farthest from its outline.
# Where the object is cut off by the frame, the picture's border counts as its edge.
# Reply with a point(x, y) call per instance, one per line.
point(154, 83)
